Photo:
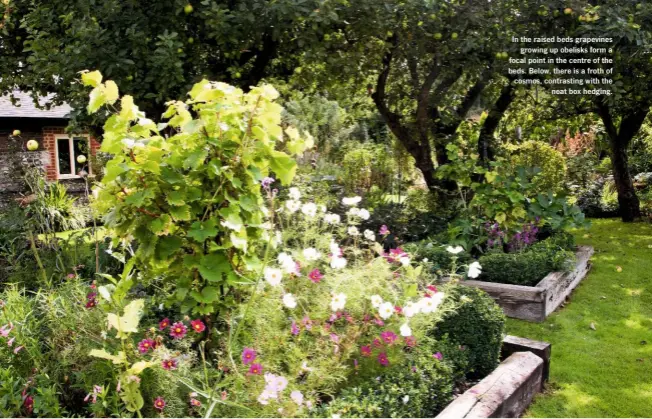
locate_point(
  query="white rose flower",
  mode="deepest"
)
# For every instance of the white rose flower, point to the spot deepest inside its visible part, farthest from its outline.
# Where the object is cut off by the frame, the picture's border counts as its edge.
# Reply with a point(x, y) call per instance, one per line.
point(349, 202)
point(332, 219)
point(364, 214)
point(311, 254)
point(376, 301)
point(309, 209)
point(353, 231)
point(475, 269)
point(405, 330)
point(294, 194)
point(338, 302)
point(289, 301)
point(386, 310)
point(338, 262)
point(369, 235)
point(455, 250)
point(273, 276)
point(293, 206)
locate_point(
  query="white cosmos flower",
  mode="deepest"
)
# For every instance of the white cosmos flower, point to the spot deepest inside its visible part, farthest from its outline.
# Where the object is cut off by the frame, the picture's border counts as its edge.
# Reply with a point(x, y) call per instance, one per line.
point(475, 269)
point(353, 211)
point(309, 209)
point(287, 263)
point(297, 397)
point(292, 206)
point(332, 219)
point(294, 193)
point(311, 254)
point(364, 214)
point(232, 226)
point(273, 276)
point(410, 309)
point(405, 261)
point(376, 301)
point(430, 304)
point(454, 250)
point(338, 302)
point(238, 242)
point(289, 301)
point(338, 262)
point(405, 330)
point(369, 235)
point(323, 208)
point(349, 202)
point(353, 231)
point(386, 310)
point(335, 248)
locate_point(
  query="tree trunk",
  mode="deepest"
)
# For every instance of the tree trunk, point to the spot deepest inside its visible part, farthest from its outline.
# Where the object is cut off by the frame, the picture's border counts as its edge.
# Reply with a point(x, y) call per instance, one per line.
point(496, 113)
point(628, 203)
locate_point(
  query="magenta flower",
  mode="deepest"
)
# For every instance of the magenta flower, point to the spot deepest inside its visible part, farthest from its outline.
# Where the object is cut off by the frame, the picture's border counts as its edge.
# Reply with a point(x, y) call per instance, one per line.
point(195, 402)
point(307, 323)
point(198, 325)
point(178, 330)
point(395, 255)
point(71, 276)
point(29, 404)
point(438, 356)
point(145, 345)
point(377, 343)
point(388, 337)
point(383, 230)
point(255, 369)
point(4, 330)
point(315, 276)
point(163, 324)
point(365, 350)
point(379, 322)
point(410, 341)
point(248, 355)
point(169, 364)
point(382, 358)
point(295, 329)
point(159, 403)
point(335, 338)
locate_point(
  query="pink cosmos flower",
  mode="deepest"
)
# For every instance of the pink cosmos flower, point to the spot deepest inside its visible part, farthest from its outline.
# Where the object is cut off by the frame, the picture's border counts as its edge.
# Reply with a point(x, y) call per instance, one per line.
point(395, 255)
point(163, 324)
point(438, 356)
point(195, 402)
point(159, 404)
point(315, 276)
point(307, 323)
point(255, 369)
point(248, 355)
point(398, 310)
point(382, 358)
point(198, 325)
point(145, 345)
point(71, 276)
point(383, 230)
point(178, 330)
point(10, 342)
point(377, 343)
point(388, 337)
point(379, 322)
point(295, 329)
point(335, 338)
point(365, 350)
point(169, 364)
point(18, 349)
point(29, 403)
point(410, 341)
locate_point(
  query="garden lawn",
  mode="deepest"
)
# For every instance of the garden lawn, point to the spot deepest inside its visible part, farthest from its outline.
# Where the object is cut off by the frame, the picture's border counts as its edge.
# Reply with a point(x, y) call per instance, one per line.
point(606, 371)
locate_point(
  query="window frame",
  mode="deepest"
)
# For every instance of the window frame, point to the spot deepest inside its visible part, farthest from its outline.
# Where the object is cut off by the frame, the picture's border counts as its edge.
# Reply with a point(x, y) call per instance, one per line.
point(71, 150)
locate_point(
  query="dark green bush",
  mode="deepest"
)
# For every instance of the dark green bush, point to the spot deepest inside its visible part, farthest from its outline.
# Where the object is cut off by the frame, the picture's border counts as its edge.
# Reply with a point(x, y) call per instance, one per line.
point(531, 265)
point(473, 324)
point(436, 254)
point(421, 391)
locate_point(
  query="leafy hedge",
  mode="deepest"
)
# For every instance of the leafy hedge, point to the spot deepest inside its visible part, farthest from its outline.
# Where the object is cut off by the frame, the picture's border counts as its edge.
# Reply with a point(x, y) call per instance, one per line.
point(473, 324)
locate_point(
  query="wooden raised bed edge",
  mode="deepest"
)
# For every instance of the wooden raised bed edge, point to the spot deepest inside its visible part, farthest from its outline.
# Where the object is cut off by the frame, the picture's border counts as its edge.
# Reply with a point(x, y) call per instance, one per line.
point(536, 303)
point(510, 388)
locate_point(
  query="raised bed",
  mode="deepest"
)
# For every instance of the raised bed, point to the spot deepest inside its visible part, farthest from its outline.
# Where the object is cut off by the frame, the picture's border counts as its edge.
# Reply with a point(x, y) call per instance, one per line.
point(510, 388)
point(536, 303)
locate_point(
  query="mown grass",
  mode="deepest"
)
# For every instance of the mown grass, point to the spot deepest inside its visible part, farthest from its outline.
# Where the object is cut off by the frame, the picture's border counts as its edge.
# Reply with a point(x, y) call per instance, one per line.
point(606, 372)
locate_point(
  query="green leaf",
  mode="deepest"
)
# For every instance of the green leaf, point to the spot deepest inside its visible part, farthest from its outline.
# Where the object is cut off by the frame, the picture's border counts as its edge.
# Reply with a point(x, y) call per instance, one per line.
point(200, 231)
point(213, 266)
point(177, 198)
point(284, 166)
point(181, 213)
point(92, 78)
point(195, 159)
point(167, 246)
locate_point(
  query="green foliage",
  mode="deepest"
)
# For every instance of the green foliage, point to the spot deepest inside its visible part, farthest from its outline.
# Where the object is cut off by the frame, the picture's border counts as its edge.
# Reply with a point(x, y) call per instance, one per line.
point(421, 390)
point(550, 162)
point(367, 165)
point(193, 200)
point(438, 258)
point(473, 323)
point(532, 265)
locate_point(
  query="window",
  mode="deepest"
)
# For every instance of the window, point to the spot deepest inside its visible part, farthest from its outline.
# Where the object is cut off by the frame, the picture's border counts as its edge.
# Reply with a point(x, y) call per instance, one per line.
point(68, 149)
